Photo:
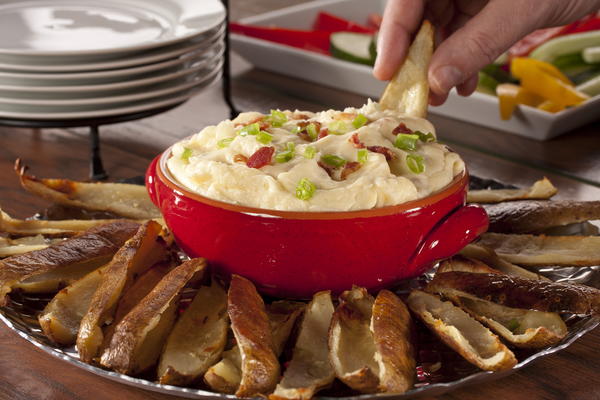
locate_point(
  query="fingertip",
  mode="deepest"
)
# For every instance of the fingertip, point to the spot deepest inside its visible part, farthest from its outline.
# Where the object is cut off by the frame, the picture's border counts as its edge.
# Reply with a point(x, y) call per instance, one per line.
point(468, 87)
point(437, 99)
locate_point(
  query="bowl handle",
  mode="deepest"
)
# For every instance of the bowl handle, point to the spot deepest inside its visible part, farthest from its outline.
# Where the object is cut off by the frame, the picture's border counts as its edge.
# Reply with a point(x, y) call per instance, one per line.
point(456, 231)
point(151, 180)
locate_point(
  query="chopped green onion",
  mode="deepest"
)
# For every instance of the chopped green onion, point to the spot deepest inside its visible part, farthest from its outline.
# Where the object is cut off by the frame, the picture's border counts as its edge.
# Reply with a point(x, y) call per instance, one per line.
point(406, 141)
point(186, 154)
point(295, 130)
point(291, 146)
point(425, 137)
point(333, 160)
point(221, 144)
point(277, 118)
point(310, 152)
point(252, 129)
point(338, 128)
point(286, 155)
point(513, 325)
point(311, 129)
point(359, 121)
point(415, 163)
point(305, 189)
point(264, 137)
point(362, 156)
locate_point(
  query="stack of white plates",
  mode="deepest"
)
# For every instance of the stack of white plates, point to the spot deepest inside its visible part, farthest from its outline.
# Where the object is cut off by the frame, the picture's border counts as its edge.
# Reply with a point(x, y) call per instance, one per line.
point(78, 59)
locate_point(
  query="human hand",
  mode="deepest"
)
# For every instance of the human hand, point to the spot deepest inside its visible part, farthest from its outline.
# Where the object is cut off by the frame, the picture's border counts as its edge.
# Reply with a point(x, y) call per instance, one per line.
point(473, 34)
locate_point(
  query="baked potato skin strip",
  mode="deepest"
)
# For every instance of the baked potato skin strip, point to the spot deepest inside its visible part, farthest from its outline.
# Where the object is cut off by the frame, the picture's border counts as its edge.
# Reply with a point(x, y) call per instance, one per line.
point(250, 325)
point(95, 246)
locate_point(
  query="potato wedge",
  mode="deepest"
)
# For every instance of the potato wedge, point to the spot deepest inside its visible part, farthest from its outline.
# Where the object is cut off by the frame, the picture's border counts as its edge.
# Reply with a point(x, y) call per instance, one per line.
point(198, 338)
point(250, 326)
point(309, 369)
point(129, 201)
point(12, 247)
point(62, 316)
point(458, 330)
point(351, 344)
point(140, 335)
point(136, 256)
point(465, 264)
point(391, 326)
point(90, 249)
point(522, 328)
point(531, 250)
point(542, 189)
point(408, 91)
point(489, 257)
point(516, 292)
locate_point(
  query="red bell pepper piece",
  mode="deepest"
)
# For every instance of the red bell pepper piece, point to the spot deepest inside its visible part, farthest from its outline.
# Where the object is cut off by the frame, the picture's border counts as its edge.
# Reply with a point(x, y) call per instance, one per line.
point(332, 23)
point(317, 41)
point(526, 45)
point(590, 23)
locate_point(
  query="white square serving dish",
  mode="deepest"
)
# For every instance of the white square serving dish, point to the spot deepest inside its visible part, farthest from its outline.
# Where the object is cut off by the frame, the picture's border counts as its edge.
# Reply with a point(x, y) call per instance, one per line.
point(479, 108)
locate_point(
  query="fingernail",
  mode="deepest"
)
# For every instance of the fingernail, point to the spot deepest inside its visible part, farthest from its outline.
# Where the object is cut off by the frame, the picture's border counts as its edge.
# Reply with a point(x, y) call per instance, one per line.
point(446, 77)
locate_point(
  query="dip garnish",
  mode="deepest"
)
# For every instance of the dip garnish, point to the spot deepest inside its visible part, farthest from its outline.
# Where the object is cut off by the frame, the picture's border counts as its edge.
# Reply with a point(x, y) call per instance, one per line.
point(415, 163)
point(406, 141)
point(305, 189)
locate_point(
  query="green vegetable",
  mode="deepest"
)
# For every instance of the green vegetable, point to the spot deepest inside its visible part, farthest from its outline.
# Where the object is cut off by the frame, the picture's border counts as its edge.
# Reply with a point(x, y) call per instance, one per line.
point(186, 154)
point(590, 87)
point(406, 141)
point(264, 137)
point(333, 160)
point(591, 54)
point(295, 130)
point(221, 144)
point(311, 129)
point(513, 325)
point(277, 118)
point(310, 152)
point(486, 84)
point(286, 155)
point(305, 189)
point(338, 128)
point(362, 156)
point(415, 163)
point(351, 46)
point(425, 137)
point(498, 74)
point(562, 45)
point(572, 64)
point(252, 129)
point(359, 121)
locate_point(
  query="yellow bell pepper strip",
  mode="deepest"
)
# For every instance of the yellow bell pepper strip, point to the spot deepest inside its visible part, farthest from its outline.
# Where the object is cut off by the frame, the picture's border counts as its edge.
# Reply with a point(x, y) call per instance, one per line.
point(546, 81)
point(511, 95)
point(550, 107)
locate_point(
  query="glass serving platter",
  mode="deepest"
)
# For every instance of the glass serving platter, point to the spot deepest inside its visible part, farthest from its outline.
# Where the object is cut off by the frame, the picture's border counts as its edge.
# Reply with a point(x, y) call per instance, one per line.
point(439, 369)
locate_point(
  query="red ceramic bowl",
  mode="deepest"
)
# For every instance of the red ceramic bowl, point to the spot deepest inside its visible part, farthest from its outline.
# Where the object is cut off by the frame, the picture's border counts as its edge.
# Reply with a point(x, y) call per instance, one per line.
point(295, 254)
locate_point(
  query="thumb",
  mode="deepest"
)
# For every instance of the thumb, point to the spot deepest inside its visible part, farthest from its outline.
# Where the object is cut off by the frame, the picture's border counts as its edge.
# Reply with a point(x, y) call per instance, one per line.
point(480, 41)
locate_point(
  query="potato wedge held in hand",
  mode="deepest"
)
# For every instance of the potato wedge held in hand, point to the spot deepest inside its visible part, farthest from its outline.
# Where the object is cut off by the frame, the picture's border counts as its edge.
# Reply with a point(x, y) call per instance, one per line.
point(408, 91)
point(139, 337)
point(458, 330)
point(62, 316)
point(134, 258)
point(542, 189)
point(310, 369)
point(129, 201)
point(522, 328)
point(198, 338)
point(370, 342)
point(86, 251)
point(250, 326)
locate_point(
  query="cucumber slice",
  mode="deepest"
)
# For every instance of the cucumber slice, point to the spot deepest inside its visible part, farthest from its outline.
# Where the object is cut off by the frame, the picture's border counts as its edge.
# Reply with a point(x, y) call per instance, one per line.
point(562, 45)
point(590, 87)
point(351, 46)
point(573, 65)
point(591, 54)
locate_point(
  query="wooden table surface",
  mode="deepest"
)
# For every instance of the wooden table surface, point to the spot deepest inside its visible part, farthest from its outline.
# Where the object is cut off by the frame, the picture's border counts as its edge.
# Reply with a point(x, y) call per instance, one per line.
point(572, 162)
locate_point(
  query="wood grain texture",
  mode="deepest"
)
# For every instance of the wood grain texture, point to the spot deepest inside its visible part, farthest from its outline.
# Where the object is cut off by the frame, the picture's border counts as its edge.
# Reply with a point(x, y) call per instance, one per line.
point(27, 373)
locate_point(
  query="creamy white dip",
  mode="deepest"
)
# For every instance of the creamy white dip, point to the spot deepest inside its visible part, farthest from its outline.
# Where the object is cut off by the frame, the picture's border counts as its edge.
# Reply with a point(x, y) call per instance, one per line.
point(213, 162)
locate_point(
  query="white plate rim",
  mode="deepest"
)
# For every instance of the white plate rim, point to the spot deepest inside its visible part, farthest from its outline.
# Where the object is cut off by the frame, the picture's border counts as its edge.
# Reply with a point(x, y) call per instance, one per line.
point(121, 63)
point(192, 34)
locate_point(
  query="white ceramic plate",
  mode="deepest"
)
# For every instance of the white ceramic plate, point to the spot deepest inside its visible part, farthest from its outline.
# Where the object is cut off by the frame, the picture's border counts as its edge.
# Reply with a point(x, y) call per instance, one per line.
point(78, 63)
point(109, 89)
point(80, 111)
point(91, 27)
point(480, 108)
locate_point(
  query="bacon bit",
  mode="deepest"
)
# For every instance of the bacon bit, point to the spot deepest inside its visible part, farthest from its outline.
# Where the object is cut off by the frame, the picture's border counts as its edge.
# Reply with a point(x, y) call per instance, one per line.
point(350, 167)
point(264, 125)
point(356, 141)
point(401, 128)
point(261, 157)
point(389, 154)
point(257, 119)
point(322, 133)
point(240, 158)
point(346, 116)
point(303, 134)
point(300, 116)
point(328, 168)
